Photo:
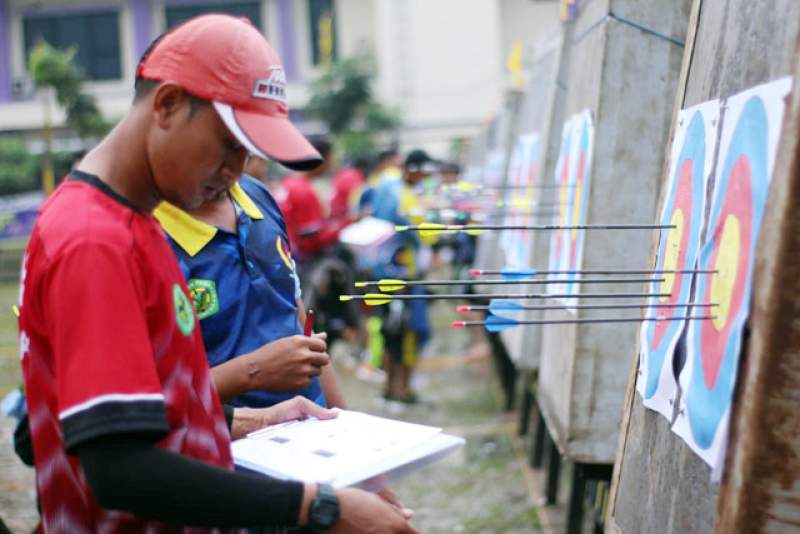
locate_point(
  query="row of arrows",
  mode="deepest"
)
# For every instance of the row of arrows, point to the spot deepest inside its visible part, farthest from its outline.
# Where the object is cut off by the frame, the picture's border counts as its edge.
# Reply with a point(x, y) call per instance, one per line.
point(502, 304)
point(435, 229)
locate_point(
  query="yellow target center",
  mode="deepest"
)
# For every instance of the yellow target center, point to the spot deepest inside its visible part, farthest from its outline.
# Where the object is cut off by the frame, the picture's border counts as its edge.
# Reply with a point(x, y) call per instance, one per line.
point(672, 252)
point(519, 202)
point(727, 265)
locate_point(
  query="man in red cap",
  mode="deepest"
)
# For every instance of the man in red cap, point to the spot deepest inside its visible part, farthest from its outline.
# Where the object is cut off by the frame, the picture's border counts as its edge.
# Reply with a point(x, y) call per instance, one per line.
point(128, 431)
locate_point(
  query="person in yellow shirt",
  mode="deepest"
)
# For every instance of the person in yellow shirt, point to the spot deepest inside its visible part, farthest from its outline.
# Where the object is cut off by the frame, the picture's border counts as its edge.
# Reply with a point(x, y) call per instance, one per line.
point(405, 324)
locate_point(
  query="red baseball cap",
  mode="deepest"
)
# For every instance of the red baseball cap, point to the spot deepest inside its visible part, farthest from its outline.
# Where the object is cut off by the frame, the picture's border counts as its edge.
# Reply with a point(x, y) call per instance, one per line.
point(225, 60)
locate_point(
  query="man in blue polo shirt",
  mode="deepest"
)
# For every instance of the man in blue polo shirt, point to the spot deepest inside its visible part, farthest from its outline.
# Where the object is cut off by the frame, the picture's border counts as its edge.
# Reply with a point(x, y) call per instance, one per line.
point(235, 255)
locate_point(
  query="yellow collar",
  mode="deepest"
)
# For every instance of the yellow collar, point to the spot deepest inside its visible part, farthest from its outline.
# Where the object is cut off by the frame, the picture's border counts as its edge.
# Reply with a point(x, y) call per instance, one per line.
point(244, 201)
point(193, 234)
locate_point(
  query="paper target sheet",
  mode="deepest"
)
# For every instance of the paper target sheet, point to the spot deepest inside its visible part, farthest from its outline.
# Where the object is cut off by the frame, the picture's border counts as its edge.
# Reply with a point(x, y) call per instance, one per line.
point(351, 448)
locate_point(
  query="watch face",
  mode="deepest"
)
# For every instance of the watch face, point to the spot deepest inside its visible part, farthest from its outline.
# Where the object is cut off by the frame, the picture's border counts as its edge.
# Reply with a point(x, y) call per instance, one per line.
point(326, 514)
point(324, 510)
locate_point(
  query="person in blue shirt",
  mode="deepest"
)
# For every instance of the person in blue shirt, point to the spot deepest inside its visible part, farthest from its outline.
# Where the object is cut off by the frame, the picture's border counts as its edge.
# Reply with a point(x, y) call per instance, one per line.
point(234, 252)
point(405, 328)
point(236, 259)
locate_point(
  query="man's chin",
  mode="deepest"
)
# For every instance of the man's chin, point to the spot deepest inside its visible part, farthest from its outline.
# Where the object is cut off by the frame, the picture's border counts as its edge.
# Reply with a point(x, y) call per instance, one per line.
point(184, 203)
point(216, 196)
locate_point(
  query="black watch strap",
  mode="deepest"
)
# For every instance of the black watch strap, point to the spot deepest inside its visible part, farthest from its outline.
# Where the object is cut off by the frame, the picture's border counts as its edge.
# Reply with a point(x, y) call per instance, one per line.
point(324, 510)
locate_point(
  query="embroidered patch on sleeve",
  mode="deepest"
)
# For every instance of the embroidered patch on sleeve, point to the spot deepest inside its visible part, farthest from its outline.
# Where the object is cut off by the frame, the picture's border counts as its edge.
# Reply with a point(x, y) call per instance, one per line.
point(204, 297)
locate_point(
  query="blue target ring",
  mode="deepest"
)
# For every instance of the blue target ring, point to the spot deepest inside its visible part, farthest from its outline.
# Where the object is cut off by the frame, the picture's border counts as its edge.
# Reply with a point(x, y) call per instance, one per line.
point(693, 152)
point(705, 406)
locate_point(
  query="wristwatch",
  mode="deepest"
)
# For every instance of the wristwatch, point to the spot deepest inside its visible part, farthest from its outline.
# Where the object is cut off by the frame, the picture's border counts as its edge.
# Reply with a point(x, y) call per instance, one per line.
point(324, 510)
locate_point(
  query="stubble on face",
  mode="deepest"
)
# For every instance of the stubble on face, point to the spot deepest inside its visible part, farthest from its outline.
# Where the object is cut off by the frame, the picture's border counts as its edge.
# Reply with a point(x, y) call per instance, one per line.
point(201, 158)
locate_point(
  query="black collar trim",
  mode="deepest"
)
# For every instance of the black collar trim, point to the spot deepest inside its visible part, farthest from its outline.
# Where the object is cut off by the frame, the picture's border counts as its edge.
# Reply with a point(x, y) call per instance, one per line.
point(93, 180)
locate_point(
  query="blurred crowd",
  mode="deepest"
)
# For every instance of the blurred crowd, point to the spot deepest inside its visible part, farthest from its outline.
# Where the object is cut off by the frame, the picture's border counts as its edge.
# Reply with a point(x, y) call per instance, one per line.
point(340, 220)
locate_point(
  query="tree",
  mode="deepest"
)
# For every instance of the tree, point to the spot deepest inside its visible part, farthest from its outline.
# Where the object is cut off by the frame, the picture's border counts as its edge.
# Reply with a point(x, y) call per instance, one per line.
point(18, 168)
point(56, 70)
point(21, 171)
point(342, 98)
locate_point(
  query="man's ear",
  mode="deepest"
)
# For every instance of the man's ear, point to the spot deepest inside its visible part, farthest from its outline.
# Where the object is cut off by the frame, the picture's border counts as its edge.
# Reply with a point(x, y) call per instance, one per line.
point(169, 99)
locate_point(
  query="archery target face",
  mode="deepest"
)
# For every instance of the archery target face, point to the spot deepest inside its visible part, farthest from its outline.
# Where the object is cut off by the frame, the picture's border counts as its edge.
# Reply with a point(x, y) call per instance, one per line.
point(572, 175)
point(580, 204)
point(530, 162)
point(519, 200)
point(683, 208)
point(509, 218)
point(729, 250)
point(747, 151)
point(561, 216)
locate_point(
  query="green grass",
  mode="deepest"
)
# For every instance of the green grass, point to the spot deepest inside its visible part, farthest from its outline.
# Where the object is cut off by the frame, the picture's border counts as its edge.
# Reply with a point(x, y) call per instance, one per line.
point(478, 403)
point(497, 520)
point(10, 372)
point(481, 491)
point(13, 244)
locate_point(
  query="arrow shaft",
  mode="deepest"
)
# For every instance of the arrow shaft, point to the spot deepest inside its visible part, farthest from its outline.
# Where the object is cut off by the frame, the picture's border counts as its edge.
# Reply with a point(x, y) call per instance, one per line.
point(593, 321)
point(461, 227)
point(418, 283)
point(568, 227)
point(600, 306)
point(468, 296)
point(484, 272)
point(512, 187)
point(542, 214)
point(521, 212)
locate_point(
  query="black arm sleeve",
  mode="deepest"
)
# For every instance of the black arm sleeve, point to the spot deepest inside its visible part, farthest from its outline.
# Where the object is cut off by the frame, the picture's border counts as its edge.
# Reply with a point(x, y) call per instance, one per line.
point(228, 411)
point(127, 472)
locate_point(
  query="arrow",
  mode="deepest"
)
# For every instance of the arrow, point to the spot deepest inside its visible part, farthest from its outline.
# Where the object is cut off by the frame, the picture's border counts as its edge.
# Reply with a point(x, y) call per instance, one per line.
point(379, 299)
point(469, 187)
point(494, 323)
point(477, 212)
point(515, 273)
point(388, 285)
point(528, 209)
point(521, 211)
point(498, 307)
point(432, 229)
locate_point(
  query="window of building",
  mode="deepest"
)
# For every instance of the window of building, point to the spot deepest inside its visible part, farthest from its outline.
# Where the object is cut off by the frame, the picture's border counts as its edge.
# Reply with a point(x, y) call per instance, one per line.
point(322, 31)
point(251, 10)
point(95, 34)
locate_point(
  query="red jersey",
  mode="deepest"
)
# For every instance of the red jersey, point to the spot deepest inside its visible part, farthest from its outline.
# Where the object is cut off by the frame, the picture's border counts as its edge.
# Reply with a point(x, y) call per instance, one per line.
point(109, 344)
point(347, 183)
point(309, 231)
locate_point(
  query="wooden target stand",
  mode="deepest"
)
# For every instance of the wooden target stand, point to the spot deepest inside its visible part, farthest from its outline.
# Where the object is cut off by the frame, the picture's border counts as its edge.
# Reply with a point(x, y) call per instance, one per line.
point(760, 488)
point(762, 469)
point(589, 482)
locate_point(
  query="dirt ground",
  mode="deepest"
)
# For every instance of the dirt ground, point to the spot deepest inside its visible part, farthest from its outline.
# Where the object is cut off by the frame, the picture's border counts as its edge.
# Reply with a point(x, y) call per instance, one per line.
point(482, 487)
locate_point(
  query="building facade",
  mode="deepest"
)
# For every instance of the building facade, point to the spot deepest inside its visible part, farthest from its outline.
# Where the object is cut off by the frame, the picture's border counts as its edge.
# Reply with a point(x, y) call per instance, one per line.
point(441, 63)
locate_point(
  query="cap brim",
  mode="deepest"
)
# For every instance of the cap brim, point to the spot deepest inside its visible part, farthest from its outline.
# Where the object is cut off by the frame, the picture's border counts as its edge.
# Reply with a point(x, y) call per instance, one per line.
point(268, 137)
